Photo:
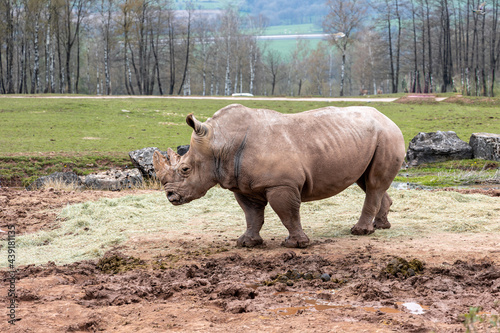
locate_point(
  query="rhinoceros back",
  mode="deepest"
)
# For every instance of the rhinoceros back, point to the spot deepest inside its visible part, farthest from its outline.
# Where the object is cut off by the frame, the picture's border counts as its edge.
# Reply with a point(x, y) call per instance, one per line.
point(322, 151)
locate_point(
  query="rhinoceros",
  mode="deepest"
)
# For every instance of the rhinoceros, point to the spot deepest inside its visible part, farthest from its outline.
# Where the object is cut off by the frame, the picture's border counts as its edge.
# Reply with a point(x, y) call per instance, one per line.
point(264, 156)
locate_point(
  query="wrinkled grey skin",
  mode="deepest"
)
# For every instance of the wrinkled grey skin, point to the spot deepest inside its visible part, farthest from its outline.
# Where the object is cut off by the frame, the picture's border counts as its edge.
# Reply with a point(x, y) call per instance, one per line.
point(267, 157)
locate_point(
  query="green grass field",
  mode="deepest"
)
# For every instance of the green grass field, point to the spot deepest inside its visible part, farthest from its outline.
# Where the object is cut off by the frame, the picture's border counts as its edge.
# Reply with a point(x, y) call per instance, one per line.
point(42, 135)
point(309, 28)
point(286, 46)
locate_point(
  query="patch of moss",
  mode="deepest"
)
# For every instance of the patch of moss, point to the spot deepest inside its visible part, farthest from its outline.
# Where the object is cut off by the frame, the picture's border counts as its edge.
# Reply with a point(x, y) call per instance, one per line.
point(294, 275)
point(401, 268)
point(118, 263)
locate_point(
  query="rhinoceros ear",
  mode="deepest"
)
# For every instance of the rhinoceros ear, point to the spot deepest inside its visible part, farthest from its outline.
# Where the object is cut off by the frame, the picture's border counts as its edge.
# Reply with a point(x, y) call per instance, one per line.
point(199, 128)
point(160, 163)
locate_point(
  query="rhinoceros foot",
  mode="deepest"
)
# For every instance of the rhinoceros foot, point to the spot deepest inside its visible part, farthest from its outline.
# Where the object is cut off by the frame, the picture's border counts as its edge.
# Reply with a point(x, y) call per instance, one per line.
point(381, 224)
point(249, 241)
point(296, 241)
point(356, 230)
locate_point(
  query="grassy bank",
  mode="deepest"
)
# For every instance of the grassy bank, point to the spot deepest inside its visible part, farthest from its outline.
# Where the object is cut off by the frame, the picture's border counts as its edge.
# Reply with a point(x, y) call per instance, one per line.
point(41, 135)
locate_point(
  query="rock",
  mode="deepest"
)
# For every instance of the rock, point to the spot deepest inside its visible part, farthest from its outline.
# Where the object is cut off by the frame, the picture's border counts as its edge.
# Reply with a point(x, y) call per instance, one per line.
point(325, 277)
point(113, 179)
point(143, 160)
point(66, 178)
point(437, 147)
point(485, 146)
point(182, 150)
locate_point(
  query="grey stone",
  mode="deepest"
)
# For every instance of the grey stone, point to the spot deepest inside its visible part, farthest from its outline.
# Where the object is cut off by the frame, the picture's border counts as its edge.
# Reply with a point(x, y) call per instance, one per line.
point(142, 159)
point(182, 150)
point(437, 147)
point(485, 146)
point(66, 178)
point(113, 180)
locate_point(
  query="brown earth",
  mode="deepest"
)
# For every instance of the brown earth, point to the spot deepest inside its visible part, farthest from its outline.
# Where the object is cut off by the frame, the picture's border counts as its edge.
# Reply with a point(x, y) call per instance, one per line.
point(207, 285)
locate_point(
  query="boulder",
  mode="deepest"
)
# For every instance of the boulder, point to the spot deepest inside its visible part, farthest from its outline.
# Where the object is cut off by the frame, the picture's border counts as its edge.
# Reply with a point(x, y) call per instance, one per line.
point(182, 150)
point(66, 178)
point(142, 159)
point(485, 146)
point(113, 180)
point(437, 147)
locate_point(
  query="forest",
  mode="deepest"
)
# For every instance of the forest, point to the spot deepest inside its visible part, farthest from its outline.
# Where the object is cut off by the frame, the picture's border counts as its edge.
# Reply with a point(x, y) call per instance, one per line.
point(151, 47)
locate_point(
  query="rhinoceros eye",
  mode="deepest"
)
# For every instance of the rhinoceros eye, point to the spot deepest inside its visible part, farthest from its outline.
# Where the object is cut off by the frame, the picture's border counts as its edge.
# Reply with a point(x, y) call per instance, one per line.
point(184, 170)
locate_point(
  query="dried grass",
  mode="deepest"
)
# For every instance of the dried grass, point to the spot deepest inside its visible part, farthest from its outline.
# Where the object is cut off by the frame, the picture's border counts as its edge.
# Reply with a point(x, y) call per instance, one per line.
point(59, 184)
point(89, 229)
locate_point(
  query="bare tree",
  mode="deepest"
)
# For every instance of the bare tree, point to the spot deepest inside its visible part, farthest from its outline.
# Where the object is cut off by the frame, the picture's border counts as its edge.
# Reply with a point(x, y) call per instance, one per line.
point(72, 13)
point(190, 10)
point(274, 64)
point(494, 45)
point(342, 21)
point(106, 9)
point(447, 65)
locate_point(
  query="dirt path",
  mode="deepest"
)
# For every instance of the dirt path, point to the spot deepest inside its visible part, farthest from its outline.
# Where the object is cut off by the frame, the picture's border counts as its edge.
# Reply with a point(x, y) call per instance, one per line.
point(156, 283)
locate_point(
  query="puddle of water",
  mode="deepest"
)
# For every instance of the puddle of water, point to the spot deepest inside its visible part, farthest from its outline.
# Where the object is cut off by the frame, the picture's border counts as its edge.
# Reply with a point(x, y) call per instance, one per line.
point(383, 309)
point(293, 310)
point(415, 308)
point(319, 305)
point(411, 186)
point(323, 306)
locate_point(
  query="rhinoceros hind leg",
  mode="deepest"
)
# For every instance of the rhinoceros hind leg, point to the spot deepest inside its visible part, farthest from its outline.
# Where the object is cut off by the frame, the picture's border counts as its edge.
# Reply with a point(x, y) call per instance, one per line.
point(301, 242)
point(254, 214)
point(381, 221)
point(285, 201)
point(249, 240)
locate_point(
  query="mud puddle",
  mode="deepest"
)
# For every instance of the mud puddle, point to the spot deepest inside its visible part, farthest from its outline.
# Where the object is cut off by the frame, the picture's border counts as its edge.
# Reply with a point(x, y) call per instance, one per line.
point(314, 304)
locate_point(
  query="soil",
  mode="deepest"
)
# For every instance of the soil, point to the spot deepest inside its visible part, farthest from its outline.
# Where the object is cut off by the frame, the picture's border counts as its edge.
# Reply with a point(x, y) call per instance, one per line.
point(353, 284)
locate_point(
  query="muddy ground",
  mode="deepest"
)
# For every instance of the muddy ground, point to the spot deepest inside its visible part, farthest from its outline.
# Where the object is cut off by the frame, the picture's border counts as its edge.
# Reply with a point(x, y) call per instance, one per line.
point(353, 284)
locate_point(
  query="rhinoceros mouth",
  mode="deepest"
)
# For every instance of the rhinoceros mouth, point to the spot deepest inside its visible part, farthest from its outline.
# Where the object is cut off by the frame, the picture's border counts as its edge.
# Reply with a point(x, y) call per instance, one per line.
point(174, 198)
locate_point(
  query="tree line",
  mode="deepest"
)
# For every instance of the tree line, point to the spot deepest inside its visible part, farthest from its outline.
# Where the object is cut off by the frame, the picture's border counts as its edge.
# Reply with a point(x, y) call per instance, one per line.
point(419, 46)
point(144, 47)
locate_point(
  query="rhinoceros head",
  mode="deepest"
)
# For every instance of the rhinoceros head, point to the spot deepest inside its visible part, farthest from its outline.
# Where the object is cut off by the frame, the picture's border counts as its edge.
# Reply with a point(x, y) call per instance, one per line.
point(190, 176)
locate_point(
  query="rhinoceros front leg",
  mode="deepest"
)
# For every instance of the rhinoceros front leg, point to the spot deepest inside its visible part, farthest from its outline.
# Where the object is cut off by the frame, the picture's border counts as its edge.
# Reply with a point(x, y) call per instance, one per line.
point(254, 214)
point(285, 201)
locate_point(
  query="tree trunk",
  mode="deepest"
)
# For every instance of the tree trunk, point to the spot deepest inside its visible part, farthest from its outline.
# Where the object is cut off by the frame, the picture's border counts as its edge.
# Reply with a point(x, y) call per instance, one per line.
point(227, 81)
point(395, 82)
point(157, 67)
point(484, 89)
point(342, 73)
point(35, 79)
point(390, 46)
point(447, 50)
point(493, 47)
point(171, 42)
point(77, 80)
point(2, 85)
point(429, 43)
point(186, 63)
point(9, 48)
point(253, 61)
point(415, 84)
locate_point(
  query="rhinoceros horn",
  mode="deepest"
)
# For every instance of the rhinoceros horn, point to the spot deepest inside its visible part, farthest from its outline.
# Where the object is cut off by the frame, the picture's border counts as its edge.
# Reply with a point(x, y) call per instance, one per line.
point(199, 128)
point(162, 164)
